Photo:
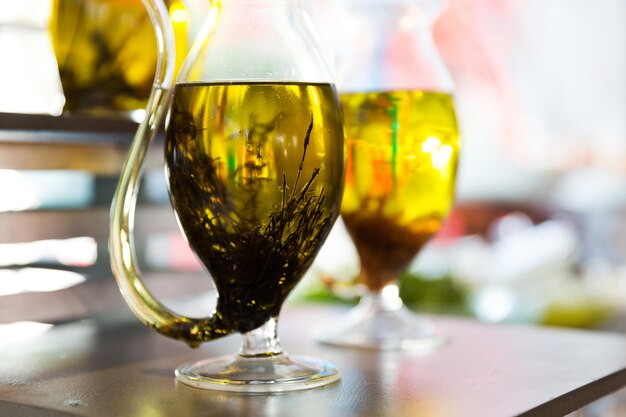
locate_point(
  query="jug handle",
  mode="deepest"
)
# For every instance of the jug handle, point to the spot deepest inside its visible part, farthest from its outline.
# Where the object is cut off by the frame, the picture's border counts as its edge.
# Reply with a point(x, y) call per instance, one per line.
point(121, 242)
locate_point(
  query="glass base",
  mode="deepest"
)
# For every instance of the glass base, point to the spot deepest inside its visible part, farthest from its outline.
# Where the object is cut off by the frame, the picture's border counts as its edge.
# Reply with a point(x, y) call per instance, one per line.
point(267, 374)
point(383, 324)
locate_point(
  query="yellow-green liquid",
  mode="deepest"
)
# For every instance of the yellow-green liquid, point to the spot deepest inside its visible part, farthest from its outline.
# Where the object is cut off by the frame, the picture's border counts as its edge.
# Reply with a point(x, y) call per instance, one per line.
point(256, 175)
point(106, 52)
point(402, 158)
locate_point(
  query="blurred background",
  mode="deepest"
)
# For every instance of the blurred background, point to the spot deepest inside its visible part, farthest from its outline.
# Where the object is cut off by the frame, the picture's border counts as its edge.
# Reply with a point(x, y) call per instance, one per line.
point(537, 235)
point(538, 231)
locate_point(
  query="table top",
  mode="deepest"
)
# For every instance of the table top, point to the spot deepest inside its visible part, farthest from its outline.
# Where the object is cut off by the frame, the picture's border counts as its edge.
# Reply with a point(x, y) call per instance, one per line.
point(113, 366)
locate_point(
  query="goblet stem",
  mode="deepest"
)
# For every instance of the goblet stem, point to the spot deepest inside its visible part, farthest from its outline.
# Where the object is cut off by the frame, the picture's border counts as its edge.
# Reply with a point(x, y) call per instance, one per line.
point(386, 299)
point(381, 321)
point(261, 366)
point(261, 342)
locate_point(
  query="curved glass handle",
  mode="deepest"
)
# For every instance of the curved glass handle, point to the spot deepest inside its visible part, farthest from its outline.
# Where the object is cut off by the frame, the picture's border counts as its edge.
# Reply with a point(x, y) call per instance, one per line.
point(121, 244)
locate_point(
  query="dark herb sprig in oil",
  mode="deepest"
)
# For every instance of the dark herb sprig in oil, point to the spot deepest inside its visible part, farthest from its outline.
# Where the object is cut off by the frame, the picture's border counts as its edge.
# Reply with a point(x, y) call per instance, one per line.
point(254, 265)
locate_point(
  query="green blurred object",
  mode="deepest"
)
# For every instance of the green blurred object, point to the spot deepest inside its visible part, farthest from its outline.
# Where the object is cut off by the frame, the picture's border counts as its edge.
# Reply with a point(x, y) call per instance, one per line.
point(439, 295)
point(587, 313)
point(445, 295)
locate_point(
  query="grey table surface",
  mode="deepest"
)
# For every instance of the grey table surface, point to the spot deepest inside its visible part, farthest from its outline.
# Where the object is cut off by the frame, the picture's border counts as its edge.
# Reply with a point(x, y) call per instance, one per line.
point(113, 366)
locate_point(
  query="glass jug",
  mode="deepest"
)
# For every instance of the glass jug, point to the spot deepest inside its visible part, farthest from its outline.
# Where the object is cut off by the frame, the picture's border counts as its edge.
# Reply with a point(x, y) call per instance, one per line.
point(255, 167)
point(402, 151)
point(106, 53)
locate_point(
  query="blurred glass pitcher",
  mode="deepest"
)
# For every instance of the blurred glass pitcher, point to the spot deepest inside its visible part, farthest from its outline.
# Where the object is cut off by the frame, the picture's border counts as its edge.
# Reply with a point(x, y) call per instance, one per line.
point(106, 54)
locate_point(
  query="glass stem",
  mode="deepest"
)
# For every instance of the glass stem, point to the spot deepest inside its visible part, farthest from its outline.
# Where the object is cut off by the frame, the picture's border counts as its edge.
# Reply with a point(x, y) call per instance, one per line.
point(385, 299)
point(261, 342)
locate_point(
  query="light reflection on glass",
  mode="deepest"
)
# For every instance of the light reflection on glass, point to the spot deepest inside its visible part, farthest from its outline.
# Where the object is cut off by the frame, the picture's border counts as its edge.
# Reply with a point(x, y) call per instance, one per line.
point(178, 14)
point(441, 158)
point(431, 144)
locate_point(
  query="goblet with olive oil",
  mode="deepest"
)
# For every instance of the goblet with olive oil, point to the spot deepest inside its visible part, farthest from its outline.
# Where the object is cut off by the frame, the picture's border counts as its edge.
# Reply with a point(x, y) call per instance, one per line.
point(255, 175)
point(401, 168)
point(402, 158)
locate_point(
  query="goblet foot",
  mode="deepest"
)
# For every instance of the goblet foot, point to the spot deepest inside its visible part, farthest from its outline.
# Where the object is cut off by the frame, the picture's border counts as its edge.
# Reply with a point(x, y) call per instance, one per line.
point(267, 374)
point(381, 322)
